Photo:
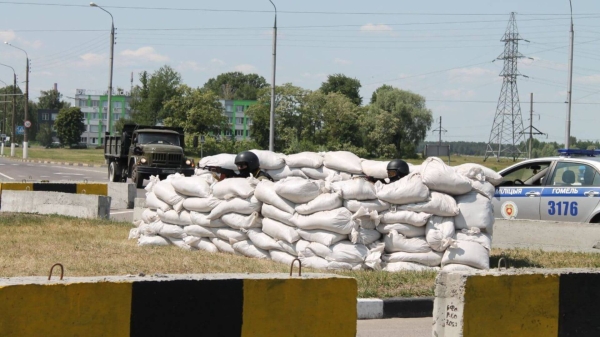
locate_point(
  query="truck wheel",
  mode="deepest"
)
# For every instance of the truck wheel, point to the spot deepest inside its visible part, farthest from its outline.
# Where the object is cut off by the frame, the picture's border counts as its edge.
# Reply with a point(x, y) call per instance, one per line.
point(114, 172)
point(137, 178)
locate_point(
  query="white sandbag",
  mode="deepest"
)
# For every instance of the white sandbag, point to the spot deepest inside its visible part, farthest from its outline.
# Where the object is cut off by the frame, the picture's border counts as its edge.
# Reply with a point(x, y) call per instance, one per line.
point(297, 190)
point(203, 205)
point(409, 231)
point(374, 168)
point(174, 218)
point(207, 175)
point(224, 246)
point(346, 251)
point(285, 172)
point(287, 247)
point(475, 171)
point(179, 243)
point(319, 249)
point(395, 242)
point(310, 260)
point(414, 168)
point(237, 205)
point(240, 221)
point(468, 253)
point(269, 160)
point(152, 180)
point(364, 236)
point(153, 203)
point(279, 231)
point(152, 240)
point(343, 161)
point(247, 248)
point(407, 266)
point(234, 188)
point(439, 232)
point(190, 240)
point(323, 202)
point(474, 235)
point(371, 205)
point(324, 237)
point(275, 213)
point(443, 178)
point(335, 265)
point(205, 245)
point(338, 220)
point(304, 159)
point(282, 257)
point(172, 232)
point(193, 186)
point(262, 240)
point(406, 217)
point(178, 207)
point(134, 233)
point(149, 216)
point(457, 267)
point(301, 245)
point(355, 189)
point(475, 211)
point(431, 259)
point(320, 173)
point(373, 260)
point(229, 233)
point(224, 160)
point(484, 188)
point(201, 219)
point(265, 192)
point(151, 229)
point(438, 204)
point(366, 219)
point(198, 231)
point(165, 192)
point(409, 189)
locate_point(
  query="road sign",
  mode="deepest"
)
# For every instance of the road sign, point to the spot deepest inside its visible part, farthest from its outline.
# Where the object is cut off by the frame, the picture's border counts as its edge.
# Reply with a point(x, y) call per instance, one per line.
point(20, 130)
point(27, 124)
point(202, 139)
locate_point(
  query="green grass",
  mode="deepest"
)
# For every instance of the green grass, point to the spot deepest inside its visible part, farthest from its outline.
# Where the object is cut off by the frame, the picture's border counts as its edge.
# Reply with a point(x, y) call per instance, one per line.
point(33, 243)
point(86, 156)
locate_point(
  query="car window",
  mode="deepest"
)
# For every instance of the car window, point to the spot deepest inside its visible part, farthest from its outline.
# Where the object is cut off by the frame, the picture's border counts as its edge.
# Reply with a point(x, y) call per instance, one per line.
point(574, 174)
point(530, 174)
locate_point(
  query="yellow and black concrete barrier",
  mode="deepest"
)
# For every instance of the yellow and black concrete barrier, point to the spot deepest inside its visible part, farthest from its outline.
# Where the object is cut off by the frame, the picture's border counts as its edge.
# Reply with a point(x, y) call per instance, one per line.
point(517, 302)
point(76, 188)
point(180, 305)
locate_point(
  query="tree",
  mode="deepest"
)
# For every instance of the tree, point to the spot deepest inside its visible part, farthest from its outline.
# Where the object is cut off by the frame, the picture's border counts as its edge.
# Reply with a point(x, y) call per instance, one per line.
point(51, 99)
point(19, 112)
point(195, 110)
point(344, 85)
point(44, 136)
point(121, 123)
point(379, 90)
point(236, 85)
point(156, 89)
point(69, 125)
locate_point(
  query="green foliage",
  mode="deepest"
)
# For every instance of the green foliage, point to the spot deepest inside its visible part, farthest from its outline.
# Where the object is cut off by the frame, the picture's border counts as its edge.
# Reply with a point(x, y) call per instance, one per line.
point(19, 112)
point(236, 85)
point(69, 125)
point(121, 123)
point(51, 99)
point(213, 146)
point(381, 89)
point(148, 99)
point(44, 136)
point(195, 110)
point(344, 85)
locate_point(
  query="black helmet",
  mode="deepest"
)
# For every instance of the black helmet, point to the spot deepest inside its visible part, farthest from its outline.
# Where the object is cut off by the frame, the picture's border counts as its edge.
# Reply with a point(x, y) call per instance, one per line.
point(400, 168)
point(248, 158)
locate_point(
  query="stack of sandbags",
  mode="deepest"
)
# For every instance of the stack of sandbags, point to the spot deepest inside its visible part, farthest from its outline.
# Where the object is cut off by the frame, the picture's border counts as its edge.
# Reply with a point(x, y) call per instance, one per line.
point(224, 160)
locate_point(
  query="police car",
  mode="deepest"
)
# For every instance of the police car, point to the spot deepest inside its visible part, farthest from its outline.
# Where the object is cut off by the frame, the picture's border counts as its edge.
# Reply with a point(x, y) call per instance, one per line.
point(564, 188)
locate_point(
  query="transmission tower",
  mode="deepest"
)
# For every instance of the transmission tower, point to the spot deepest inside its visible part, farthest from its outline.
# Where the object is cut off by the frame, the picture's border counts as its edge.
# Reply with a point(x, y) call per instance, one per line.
point(507, 130)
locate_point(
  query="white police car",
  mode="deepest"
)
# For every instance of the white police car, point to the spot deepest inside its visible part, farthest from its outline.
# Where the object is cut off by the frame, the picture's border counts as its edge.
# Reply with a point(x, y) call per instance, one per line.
point(565, 188)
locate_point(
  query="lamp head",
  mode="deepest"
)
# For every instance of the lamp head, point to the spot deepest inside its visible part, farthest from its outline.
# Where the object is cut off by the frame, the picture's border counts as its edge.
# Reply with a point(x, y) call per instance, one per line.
point(93, 4)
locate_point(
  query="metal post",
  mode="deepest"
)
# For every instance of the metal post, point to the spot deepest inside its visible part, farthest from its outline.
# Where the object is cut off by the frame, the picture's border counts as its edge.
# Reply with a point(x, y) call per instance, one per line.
point(110, 75)
point(440, 133)
point(530, 124)
point(25, 142)
point(12, 135)
point(569, 92)
point(272, 113)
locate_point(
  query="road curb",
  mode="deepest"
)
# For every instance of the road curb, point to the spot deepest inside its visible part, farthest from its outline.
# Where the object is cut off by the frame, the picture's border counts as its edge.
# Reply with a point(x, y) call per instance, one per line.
point(398, 307)
point(52, 162)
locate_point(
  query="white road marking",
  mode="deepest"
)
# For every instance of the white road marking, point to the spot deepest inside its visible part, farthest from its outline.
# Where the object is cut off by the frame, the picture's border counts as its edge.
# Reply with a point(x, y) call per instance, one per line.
point(44, 176)
point(69, 174)
point(4, 175)
point(78, 169)
point(15, 164)
point(111, 213)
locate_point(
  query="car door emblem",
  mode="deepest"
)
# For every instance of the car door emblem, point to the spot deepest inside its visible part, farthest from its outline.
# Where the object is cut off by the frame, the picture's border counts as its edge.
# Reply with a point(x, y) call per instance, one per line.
point(509, 210)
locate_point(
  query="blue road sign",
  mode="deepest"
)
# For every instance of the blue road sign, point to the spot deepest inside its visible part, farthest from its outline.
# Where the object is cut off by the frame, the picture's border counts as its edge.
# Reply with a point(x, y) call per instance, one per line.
point(20, 130)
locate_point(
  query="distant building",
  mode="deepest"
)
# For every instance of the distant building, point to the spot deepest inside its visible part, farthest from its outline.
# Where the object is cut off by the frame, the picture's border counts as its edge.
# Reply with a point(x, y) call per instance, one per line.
point(47, 117)
point(235, 110)
point(94, 105)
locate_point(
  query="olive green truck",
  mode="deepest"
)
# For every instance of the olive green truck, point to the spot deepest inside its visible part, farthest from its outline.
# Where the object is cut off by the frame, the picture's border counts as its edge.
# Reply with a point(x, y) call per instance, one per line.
point(142, 151)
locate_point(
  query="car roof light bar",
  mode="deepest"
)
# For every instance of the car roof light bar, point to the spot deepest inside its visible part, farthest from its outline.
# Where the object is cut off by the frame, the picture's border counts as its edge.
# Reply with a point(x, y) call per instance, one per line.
point(578, 152)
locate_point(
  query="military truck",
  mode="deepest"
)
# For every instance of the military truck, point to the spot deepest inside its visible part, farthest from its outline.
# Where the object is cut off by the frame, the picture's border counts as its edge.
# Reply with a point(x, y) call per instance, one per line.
point(142, 151)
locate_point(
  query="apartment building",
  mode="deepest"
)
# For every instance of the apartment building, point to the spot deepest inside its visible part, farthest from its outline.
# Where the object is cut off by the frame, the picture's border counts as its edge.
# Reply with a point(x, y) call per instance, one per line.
point(235, 110)
point(94, 105)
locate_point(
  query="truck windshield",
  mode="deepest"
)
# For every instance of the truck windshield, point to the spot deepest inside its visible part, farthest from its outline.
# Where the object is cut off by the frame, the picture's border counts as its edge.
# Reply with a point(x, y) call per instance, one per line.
point(158, 138)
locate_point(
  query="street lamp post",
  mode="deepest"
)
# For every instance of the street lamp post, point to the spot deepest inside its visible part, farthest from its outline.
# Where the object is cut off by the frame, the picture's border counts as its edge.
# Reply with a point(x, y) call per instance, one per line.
point(14, 95)
point(112, 44)
point(3, 129)
point(25, 142)
point(569, 92)
point(272, 114)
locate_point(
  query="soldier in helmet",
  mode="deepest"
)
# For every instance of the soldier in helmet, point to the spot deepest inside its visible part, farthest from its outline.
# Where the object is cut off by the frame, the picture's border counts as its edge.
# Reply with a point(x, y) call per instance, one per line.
point(249, 166)
point(396, 170)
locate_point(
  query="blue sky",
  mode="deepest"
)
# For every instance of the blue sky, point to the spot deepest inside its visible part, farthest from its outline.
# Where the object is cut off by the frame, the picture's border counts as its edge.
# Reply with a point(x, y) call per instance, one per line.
point(440, 49)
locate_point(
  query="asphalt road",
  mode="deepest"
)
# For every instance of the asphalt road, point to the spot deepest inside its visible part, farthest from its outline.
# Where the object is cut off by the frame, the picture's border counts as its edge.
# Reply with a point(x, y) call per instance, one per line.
point(395, 327)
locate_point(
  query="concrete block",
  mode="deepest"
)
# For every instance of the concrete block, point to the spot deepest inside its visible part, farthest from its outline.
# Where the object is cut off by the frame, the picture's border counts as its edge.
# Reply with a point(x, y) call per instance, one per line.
point(139, 205)
point(75, 205)
point(122, 194)
point(369, 308)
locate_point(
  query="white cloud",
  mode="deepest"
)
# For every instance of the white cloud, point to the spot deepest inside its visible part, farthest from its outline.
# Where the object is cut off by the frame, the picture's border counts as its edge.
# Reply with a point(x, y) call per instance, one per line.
point(343, 62)
point(458, 93)
point(144, 54)
point(245, 68)
point(91, 59)
point(369, 27)
point(190, 65)
point(217, 62)
point(590, 79)
point(7, 35)
point(319, 76)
